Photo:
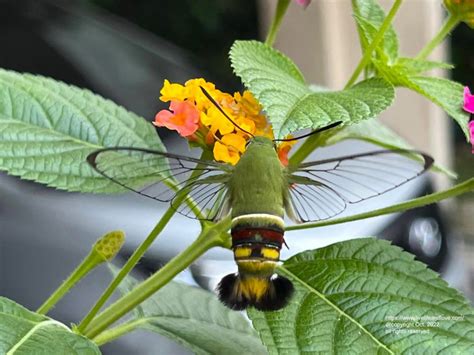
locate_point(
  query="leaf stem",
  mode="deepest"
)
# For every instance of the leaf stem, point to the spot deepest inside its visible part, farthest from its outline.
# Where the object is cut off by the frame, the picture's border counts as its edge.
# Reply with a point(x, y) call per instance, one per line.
point(375, 42)
point(451, 22)
point(212, 235)
point(280, 11)
point(456, 190)
point(87, 265)
point(138, 253)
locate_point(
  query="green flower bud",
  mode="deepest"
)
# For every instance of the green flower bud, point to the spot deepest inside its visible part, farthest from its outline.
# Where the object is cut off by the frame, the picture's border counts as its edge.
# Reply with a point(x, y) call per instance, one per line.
point(462, 9)
point(109, 245)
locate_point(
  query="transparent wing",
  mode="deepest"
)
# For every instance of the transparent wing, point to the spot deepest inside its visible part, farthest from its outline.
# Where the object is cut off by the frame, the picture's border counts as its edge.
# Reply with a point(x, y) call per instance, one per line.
point(322, 189)
point(167, 177)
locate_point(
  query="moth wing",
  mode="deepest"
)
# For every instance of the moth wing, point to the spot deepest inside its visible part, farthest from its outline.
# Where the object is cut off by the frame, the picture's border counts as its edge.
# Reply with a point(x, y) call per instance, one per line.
point(322, 189)
point(164, 177)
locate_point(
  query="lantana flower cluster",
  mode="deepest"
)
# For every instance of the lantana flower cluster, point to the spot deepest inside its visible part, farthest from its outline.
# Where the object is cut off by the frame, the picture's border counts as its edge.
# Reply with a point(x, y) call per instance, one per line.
point(197, 119)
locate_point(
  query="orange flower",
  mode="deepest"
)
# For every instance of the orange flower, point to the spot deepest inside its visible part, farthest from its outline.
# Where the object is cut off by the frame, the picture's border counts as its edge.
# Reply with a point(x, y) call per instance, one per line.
point(184, 119)
point(283, 150)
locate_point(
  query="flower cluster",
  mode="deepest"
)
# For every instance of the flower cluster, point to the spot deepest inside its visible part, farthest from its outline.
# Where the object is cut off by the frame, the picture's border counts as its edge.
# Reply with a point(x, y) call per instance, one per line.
point(468, 106)
point(197, 119)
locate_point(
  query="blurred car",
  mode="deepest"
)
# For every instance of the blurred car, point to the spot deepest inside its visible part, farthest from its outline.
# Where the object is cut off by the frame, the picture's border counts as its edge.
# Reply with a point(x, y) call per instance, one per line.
point(45, 232)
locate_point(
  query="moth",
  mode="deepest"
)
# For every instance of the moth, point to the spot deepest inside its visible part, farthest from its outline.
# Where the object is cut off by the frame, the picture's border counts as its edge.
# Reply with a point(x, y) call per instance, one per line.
point(258, 192)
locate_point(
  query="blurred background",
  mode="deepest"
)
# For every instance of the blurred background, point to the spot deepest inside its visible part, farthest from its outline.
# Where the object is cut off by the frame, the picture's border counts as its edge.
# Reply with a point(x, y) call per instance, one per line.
point(124, 49)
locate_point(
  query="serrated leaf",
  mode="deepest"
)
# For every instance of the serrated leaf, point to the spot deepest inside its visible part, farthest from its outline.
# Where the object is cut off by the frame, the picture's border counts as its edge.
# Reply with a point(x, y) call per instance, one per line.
point(445, 93)
point(374, 132)
point(195, 319)
point(365, 296)
point(47, 129)
point(414, 66)
point(369, 17)
point(290, 104)
point(23, 332)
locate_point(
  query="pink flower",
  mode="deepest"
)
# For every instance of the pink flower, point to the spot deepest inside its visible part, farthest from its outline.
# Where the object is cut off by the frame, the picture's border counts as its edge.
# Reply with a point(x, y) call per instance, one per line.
point(470, 125)
point(303, 3)
point(468, 100)
point(184, 118)
point(468, 106)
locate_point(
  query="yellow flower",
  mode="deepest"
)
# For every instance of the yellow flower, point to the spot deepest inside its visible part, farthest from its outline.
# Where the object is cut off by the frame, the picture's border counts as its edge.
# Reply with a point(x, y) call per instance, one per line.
point(173, 92)
point(215, 123)
point(225, 154)
point(195, 92)
point(462, 9)
point(248, 103)
point(246, 124)
point(236, 141)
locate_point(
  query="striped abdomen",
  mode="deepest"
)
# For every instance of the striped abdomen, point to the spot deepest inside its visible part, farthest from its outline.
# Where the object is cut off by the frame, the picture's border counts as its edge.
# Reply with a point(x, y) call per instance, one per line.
point(256, 242)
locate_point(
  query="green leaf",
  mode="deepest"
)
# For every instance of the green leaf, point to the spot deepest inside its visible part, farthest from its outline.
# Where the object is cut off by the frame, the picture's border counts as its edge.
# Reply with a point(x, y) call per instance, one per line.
point(48, 128)
point(414, 66)
point(195, 319)
point(374, 132)
point(445, 93)
point(369, 17)
point(290, 104)
point(26, 332)
point(364, 296)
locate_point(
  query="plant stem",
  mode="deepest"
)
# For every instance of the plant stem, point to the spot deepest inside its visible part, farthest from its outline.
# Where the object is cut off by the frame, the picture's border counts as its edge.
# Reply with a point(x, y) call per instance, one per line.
point(451, 22)
point(118, 331)
point(138, 253)
point(211, 236)
point(131, 262)
point(314, 141)
point(375, 42)
point(280, 11)
point(88, 263)
point(456, 190)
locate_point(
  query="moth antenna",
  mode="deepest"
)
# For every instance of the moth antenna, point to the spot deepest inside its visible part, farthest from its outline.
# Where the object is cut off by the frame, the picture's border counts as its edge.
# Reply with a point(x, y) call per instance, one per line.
point(214, 102)
point(319, 130)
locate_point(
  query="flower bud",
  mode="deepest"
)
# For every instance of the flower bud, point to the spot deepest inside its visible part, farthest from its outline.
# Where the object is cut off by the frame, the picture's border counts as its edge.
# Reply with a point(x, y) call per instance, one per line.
point(303, 3)
point(462, 9)
point(109, 245)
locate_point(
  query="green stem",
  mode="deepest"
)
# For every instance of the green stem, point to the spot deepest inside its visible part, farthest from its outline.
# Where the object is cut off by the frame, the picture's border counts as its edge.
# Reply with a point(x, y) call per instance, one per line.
point(131, 262)
point(116, 332)
point(138, 253)
point(456, 190)
point(375, 42)
point(451, 22)
point(88, 263)
point(314, 141)
point(280, 11)
point(211, 236)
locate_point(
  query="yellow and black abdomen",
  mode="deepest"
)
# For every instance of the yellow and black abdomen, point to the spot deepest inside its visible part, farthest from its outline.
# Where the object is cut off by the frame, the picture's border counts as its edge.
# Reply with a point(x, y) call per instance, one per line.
point(256, 242)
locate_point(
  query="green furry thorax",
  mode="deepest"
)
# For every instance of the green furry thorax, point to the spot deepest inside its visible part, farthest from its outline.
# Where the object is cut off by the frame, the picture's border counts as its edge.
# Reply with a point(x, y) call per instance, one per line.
point(258, 182)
